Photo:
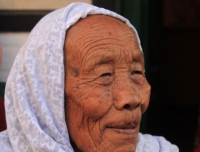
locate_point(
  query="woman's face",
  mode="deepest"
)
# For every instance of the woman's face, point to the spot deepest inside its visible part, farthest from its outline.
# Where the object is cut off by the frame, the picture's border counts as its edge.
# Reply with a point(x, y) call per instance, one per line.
point(105, 84)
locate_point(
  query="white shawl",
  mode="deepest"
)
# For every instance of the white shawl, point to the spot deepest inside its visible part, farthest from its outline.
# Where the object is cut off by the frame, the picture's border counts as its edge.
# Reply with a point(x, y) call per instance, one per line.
point(34, 96)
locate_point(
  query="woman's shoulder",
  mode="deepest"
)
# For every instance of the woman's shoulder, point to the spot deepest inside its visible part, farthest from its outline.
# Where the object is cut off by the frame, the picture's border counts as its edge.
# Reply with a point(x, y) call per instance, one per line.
point(149, 143)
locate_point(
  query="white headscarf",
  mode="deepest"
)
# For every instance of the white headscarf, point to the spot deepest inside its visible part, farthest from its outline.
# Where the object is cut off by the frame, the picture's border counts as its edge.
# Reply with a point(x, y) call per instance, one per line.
point(34, 96)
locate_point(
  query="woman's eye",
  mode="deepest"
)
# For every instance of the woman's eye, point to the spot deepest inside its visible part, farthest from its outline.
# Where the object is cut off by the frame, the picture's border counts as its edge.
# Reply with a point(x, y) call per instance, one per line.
point(136, 72)
point(106, 74)
point(137, 76)
point(105, 78)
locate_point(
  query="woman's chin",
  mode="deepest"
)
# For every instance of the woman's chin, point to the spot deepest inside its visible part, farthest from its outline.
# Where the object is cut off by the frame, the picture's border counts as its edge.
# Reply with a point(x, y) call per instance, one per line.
point(112, 140)
point(118, 140)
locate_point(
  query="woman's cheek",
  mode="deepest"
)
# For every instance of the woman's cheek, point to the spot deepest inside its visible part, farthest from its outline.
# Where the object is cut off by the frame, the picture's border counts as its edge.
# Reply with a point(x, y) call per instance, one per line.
point(98, 103)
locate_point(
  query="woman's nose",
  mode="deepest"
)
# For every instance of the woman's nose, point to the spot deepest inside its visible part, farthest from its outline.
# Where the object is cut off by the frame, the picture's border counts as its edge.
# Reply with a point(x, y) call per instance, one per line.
point(126, 97)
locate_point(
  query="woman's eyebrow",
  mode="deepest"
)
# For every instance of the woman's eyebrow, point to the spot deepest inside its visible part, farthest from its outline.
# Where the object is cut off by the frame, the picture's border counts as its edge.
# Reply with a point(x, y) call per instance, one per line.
point(99, 60)
point(110, 59)
point(105, 60)
point(137, 58)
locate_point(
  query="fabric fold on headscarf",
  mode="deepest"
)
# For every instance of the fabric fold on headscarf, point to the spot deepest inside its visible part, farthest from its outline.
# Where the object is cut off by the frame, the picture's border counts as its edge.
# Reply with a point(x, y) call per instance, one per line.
point(34, 95)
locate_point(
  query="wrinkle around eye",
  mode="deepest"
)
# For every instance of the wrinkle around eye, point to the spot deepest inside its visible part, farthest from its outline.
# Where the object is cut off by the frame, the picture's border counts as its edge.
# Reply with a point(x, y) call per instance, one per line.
point(138, 77)
point(105, 78)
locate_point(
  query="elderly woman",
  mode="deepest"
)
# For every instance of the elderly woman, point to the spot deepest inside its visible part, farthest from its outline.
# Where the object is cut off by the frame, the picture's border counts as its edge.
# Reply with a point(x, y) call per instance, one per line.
point(78, 84)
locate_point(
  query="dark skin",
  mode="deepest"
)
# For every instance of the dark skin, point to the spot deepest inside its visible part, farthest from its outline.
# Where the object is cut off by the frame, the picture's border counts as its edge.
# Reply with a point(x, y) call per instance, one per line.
point(105, 84)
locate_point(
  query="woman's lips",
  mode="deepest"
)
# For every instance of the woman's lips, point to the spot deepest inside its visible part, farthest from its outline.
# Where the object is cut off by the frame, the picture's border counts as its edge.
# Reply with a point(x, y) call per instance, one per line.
point(126, 129)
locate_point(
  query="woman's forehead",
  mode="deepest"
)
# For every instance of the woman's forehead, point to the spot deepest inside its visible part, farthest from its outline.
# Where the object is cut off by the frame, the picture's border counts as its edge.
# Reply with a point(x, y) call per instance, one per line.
point(99, 34)
point(100, 20)
point(99, 27)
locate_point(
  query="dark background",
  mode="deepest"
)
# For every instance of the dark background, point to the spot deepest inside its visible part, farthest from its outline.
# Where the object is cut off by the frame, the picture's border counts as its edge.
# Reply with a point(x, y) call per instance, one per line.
point(170, 34)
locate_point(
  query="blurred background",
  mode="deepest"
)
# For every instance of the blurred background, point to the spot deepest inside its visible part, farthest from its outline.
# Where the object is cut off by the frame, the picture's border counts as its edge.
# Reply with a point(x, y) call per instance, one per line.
point(170, 34)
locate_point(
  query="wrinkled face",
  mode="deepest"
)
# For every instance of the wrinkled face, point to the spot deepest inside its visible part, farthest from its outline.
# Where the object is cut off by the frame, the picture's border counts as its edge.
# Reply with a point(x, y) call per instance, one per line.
point(105, 84)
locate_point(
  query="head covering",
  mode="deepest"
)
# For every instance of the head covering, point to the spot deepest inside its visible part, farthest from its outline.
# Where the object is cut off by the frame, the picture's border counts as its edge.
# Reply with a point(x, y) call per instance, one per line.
point(34, 96)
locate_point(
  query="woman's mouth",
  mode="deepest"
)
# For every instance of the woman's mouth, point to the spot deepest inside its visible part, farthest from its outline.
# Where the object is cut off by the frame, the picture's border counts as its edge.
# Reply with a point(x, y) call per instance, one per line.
point(125, 129)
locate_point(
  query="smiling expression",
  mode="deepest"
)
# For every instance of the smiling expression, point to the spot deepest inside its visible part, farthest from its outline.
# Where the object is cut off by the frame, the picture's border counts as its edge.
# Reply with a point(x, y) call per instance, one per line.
point(105, 83)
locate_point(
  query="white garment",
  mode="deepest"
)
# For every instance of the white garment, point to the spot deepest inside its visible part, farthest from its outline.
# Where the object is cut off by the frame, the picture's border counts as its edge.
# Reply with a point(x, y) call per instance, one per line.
point(34, 96)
